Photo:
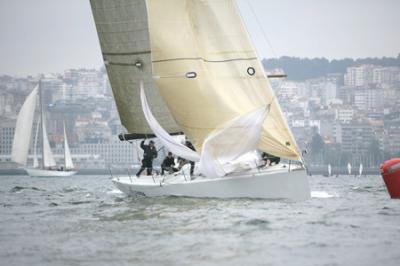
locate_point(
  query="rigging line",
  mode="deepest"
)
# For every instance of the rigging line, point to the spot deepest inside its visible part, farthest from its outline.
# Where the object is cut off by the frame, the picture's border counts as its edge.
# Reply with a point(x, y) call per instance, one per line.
point(265, 37)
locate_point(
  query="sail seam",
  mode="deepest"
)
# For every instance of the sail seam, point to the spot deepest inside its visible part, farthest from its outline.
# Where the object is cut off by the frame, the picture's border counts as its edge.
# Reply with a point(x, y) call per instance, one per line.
point(121, 64)
point(204, 59)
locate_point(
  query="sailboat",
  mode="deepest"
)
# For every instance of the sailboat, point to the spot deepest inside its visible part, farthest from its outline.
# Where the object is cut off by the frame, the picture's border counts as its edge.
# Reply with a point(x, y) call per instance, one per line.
point(360, 169)
point(22, 139)
point(349, 168)
point(189, 67)
point(329, 170)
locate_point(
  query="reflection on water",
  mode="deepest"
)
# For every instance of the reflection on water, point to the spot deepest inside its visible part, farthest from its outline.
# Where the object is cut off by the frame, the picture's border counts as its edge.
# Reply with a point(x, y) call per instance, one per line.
point(84, 220)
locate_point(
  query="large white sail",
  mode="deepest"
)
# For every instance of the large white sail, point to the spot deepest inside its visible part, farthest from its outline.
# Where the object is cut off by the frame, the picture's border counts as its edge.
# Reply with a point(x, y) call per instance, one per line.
point(208, 72)
point(67, 153)
point(227, 144)
point(48, 158)
point(122, 28)
point(23, 129)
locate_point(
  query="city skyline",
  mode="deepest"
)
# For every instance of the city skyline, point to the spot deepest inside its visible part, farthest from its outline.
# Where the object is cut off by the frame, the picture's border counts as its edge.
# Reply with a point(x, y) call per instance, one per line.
point(48, 36)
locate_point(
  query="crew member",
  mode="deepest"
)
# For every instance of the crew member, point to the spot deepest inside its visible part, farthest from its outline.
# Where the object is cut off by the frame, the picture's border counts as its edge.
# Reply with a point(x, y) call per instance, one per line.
point(270, 159)
point(150, 152)
point(168, 164)
point(190, 146)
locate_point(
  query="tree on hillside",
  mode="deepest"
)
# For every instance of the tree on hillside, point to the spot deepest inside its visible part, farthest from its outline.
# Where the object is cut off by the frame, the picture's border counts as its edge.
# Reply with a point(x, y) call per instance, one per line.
point(304, 68)
point(317, 147)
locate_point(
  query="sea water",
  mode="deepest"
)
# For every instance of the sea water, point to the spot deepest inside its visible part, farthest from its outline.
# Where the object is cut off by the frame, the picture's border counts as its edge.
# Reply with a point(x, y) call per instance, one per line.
point(84, 220)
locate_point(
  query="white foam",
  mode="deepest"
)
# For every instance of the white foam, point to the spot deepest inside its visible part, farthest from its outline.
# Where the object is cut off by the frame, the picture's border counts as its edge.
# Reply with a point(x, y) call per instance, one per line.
point(321, 194)
point(114, 191)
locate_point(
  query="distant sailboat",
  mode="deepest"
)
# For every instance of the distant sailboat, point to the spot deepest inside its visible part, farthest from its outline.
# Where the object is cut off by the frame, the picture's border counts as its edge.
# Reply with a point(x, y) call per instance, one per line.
point(22, 138)
point(349, 168)
point(189, 66)
point(360, 169)
point(329, 170)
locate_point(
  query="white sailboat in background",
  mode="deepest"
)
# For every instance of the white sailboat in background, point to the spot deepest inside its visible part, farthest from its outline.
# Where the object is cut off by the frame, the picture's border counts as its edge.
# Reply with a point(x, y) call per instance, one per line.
point(22, 139)
point(349, 168)
point(200, 75)
point(329, 170)
point(360, 169)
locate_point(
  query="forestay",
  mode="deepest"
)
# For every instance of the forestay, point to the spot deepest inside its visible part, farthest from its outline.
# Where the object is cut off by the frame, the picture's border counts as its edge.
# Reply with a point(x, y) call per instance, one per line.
point(23, 129)
point(208, 73)
point(122, 29)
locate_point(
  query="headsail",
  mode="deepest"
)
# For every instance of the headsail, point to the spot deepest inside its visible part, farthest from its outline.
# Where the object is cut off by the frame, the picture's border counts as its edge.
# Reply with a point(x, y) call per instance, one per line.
point(23, 129)
point(67, 153)
point(123, 33)
point(208, 72)
point(48, 158)
point(236, 138)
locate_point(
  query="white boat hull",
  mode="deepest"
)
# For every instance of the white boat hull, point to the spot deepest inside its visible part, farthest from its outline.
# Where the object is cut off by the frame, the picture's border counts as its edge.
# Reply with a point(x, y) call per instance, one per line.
point(48, 173)
point(268, 184)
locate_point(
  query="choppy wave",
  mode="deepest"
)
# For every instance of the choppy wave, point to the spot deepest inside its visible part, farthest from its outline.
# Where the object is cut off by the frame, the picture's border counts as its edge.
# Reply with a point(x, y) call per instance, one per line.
point(86, 221)
point(20, 188)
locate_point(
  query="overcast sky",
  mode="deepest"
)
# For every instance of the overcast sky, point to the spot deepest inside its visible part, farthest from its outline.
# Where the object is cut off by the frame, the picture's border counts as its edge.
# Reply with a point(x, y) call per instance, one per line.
point(44, 36)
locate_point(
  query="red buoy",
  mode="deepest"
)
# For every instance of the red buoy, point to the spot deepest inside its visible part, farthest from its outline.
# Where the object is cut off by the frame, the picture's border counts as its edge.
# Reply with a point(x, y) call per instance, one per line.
point(390, 171)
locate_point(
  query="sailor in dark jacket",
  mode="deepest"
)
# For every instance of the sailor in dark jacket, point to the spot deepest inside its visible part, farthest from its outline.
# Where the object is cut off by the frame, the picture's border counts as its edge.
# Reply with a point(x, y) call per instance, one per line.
point(150, 152)
point(190, 146)
point(168, 164)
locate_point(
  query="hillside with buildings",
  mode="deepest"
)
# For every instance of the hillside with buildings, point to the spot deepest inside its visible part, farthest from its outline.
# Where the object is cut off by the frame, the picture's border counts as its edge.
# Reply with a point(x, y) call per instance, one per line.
point(356, 114)
point(338, 117)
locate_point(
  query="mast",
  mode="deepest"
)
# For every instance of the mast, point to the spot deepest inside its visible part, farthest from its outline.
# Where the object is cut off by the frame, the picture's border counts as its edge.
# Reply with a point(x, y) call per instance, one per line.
point(41, 121)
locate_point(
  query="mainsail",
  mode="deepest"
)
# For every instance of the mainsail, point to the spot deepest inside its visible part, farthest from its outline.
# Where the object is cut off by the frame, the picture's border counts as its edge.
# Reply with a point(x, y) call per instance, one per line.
point(122, 28)
point(67, 153)
point(207, 70)
point(23, 129)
